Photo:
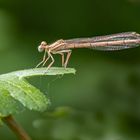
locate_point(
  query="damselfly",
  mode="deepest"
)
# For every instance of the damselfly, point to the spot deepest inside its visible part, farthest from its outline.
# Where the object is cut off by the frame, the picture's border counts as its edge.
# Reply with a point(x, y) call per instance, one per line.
point(111, 42)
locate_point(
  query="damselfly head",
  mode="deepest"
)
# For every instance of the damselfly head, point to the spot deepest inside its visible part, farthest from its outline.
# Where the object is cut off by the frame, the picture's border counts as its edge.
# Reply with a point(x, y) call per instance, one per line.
point(42, 46)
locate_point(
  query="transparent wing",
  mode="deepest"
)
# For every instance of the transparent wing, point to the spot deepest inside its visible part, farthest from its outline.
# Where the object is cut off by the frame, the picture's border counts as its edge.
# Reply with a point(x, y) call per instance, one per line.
point(119, 36)
point(113, 48)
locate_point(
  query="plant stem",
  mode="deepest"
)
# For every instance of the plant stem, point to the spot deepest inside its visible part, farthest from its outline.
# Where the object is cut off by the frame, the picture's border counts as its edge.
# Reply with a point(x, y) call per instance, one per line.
point(16, 128)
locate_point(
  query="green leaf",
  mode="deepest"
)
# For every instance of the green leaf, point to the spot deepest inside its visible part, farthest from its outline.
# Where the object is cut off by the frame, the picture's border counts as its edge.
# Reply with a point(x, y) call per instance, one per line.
point(16, 93)
point(8, 105)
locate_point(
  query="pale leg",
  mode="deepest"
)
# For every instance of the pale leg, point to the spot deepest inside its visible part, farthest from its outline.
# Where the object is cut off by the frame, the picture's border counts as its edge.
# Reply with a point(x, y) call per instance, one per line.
point(64, 64)
point(67, 58)
point(62, 59)
point(46, 60)
point(62, 54)
point(51, 62)
point(42, 60)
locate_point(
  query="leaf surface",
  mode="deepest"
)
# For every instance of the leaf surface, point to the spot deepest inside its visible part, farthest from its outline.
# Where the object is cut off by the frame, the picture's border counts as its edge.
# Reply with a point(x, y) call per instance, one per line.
point(16, 93)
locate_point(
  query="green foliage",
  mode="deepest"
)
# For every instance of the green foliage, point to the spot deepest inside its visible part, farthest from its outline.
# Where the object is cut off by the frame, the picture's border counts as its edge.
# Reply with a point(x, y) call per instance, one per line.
point(16, 93)
point(104, 94)
point(72, 124)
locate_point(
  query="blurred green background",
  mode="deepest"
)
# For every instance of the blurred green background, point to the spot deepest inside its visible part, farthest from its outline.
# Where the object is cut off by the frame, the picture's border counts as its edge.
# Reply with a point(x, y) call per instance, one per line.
point(100, 102)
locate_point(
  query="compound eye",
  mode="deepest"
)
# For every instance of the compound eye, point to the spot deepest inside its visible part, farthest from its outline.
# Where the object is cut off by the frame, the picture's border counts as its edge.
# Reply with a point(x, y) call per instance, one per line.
point(40, 49)
point(43, 43)
point(42, 46)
